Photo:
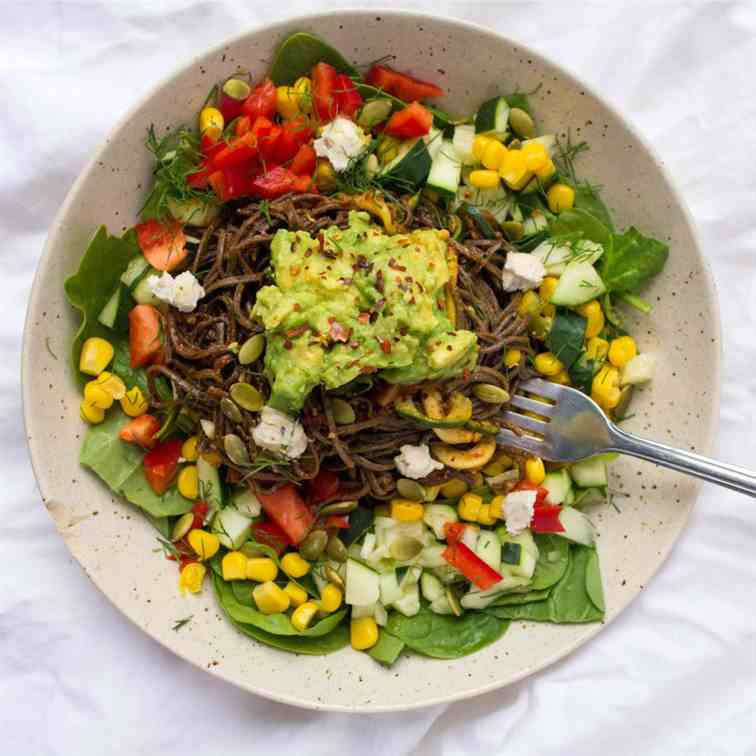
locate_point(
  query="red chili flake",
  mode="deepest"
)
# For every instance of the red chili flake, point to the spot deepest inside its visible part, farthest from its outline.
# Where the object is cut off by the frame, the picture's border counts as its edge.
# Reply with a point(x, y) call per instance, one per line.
point(337, 331)
point(394, 265)
point(295, 270)
point(293, 333)
point(466, 374)
point(297, 307)
point(364, 317)
point(380, 284)
point(347, 281)
point(385, 346)
point(355, 345)
point(287, 344)
point(308, 253)
point(380, 304)
point(403, 331)
point(441, 304)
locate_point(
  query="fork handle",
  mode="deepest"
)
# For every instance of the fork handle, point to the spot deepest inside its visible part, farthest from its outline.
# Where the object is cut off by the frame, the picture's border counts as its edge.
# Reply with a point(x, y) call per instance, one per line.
point(729, 476)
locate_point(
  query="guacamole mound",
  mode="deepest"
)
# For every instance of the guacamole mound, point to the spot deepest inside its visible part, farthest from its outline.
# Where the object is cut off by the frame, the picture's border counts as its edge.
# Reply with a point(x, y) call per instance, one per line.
point(354, 301)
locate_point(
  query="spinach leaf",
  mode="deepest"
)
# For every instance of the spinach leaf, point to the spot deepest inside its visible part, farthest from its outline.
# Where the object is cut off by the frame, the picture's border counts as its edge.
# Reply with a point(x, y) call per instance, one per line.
point(387, 650)
point(565, 339)
point(632, 261)
point(593, 586)
point(298, 644)
point(587, 198)
point(360, 520)
point(553, 558)
point(581, 373)
point(515, 599)
point(98, 276)
point(163, 525)
point(138, 491)
point(121, 366)
point(299, 52)
point(577, 220)
point(446, 636)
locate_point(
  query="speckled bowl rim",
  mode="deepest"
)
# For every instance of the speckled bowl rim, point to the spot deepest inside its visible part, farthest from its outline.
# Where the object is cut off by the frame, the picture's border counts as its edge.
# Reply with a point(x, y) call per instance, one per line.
point(275, 28)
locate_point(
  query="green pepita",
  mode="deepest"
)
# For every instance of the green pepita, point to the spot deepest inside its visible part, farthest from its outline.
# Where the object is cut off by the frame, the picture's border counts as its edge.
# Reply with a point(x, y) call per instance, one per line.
point(521, 122)
point(251, 349)
point(333, 577)
point(339, 507)
point(247, 396)
point(230, 410)
point(183, 526)
point(314, 545)
point(410, 489)
point(513, 230)
point(336, 549)
point(404, 547)
point(342, 411)
point(235, 449)
point(491, 394)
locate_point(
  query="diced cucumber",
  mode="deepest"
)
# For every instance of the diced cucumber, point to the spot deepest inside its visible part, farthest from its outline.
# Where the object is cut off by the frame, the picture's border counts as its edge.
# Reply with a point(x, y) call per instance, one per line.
point(194, 211)
point(585, 250)
point(577, 527)
point(409, 603)
point(569, 499)
point(464, 136)
point(381, 528)
point(434, 139)
point(362, 584)
point(476, 599)
point(589, 473)
point(410, 168)
point(441, 605)
point(580, 283)
point(586, 496)
point(511, 553)
point(639, 370)
point(534, 224)
point(445, 171)
point(431, 587)
point(493, 117)
point(525, 565)
point(246, 502)
point(470, 536)
point(374, 112)
point(377, 611)
point(389, 588)
point(143, 294)
point(231, 527)
point(109, 313)
point(488, 549)
point(558, 484)
point(410, 577)
point(437, 515)
point(431, 556)
point(553, 256)
point(368, 546)
point(380, 615)
point(136, 268)
point(210, 486)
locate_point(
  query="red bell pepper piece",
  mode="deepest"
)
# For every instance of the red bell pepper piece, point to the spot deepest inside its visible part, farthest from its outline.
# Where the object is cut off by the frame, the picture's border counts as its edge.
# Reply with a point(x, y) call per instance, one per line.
point(401, 85)
point(546, 519)
point(161, 464)
point(453, 531)
point(242, 125)
point(348, 100)
point(471, 565)
point(233, 94)
point(410, 122)
point(302, 184)
point(261, 102)
point(238, 152)
point(141, 430)
point(341, 522)
point(231, 183)
point(304, 161)
point(198, 179)
point(274, 183)
point(324, 79)
point(199, 510)
point(292, 136)
point(145, 339)
point(287, 509)
point(162, 244)
point(324, 486)
point(271, 535)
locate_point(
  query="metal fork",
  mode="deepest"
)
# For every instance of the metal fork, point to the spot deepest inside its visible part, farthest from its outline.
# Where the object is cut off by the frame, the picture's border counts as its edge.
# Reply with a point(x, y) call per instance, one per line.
point(571, 426)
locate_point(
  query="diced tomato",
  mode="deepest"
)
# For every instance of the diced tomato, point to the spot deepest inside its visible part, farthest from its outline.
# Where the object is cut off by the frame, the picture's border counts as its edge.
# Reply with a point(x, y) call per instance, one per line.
point(324, 486)
point(266, 135)
point(304, 161)
point(341, 522)
point(161, 464)
point(271, 535)
point(242, 125)
point(141, 430)
point(261, 102)
point(348, 100)
point(546, 519)
point(145, 339)
point(199, 510)
point(238, 152)
point(273, 183)
point(302, 184)
point(471, 565)
point(401, 85)
point(162, 244)
point(293, 135)
point(453, 531)
point(410, 122)
point(231, 183)
point(287, 509)
point(324, 78)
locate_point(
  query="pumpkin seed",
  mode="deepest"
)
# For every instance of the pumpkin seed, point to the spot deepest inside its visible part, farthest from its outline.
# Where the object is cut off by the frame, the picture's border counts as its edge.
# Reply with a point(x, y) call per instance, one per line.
point(515, 144)
point(491, 394)
point(208, 428)
point(247, 396)
point(343, 413)
point(513, 230)
point(230, 410)
point(183, 526)
point(336, 549)
point(235, 449)
point(333, 577)
point(454, 604)
point(314, 545)
point(410, 489)
point(339, 507)
point(404, 547)
point(521, 122)
point(431, 492)
point(251, 349)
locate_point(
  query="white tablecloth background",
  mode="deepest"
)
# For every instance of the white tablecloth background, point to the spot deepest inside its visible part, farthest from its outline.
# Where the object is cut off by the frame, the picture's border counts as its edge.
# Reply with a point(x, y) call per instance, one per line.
point(675, 674)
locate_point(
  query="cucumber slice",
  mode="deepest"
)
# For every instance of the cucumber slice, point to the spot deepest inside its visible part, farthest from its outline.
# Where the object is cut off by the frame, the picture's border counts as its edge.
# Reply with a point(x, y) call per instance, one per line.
point(525, 565)
point(488, 549)
point(389, 588)
point(493, 118)
point(136, 268)
point(553, 256)
point(431, 587)
point(246, 502)
point(374, 112)
point(194, 211)
point(211, 488)
point(470, 537)
point(586, 496)
point(446, 170)
point(511, 553)
point(109, 313)
point(535, 224)
point(142, 293)
point(231, 527)
point(475, 599)
point(580, 283)
point(464, 136)
point(409, 603)
point(558, 484)
point(362, 584)
point(434, 139)
point(431, 556)
point(409, 169)
point(577, 527)
point(590, 473)
point(437, 515)
point(569, 499)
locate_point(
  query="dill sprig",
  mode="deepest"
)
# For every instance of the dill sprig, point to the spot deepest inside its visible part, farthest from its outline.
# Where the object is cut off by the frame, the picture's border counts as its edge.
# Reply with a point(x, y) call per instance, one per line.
point(567, 151)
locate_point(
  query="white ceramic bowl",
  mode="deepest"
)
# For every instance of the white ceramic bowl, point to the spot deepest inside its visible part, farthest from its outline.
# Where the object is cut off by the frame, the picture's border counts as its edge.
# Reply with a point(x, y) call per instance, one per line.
point(116, 547)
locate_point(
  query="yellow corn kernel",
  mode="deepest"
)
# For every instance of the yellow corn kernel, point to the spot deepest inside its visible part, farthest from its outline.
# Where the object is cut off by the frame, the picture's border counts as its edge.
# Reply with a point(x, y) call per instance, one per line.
point(212, 457)
point(134, 403)
point(480, 143)
point(596, 348)
point(91, 413)
point(363, 633)
point(330, 598)
point(453, 489)
point(547, 288)
point(547, 364)
point(270, 599)
point(112, 384)
point(514, 170)
point(261, 569)
point(211, 123)
point(593, 313)
point(622, 350)
point(530, 305)
point(234, 566)
point(191, 577)
point(189, 449)
point(512, 358)
point(469, 507)
point(548, 311)
point(294, 566)
point(496, 507)
point(562, 377)
point(303, 614)
point(536, 156)
point(547, 171)
point(405, 510)
point(97, 396)
point(605, 389)
point(188, 482)
point(297, 595)
point(535, 472)
point(205, 544)
point(493, 154)
point(325, 176)
point(287, 102)
point(484, 179)
point(485, 516)
point(560, 197)
point(96, 354)
point(303, 88)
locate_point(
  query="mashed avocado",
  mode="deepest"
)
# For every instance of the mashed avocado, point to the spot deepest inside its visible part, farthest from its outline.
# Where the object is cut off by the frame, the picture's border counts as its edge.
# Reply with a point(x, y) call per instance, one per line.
point(353, 301)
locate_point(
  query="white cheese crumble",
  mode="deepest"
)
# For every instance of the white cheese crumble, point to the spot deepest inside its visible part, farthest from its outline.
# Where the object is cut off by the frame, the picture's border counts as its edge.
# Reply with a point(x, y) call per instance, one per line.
point(340, 141)
point(182, 292)
point(280, 433)
point(522, 272)
point(518, 510)
point(416, 462)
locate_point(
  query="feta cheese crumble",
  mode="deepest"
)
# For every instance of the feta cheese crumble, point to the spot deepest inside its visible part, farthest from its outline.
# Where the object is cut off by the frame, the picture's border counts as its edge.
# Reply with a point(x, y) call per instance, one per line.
point(280, 433)
point(522, 272)
point(518, 510)
point(416, 462)
point(182, 292)
point(340, 141)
